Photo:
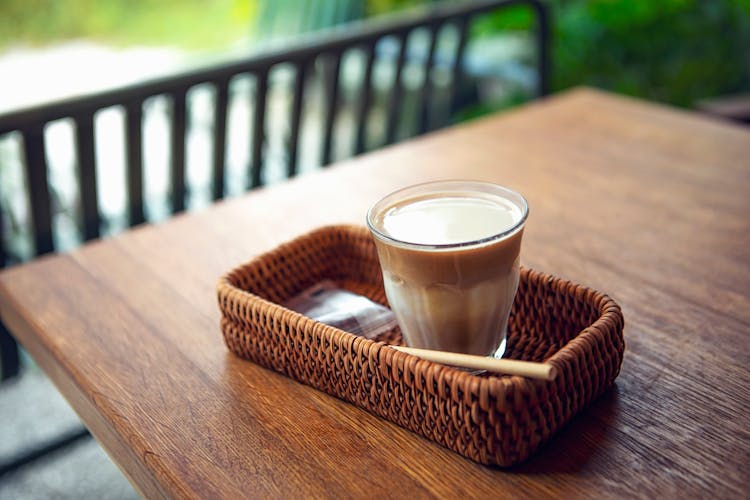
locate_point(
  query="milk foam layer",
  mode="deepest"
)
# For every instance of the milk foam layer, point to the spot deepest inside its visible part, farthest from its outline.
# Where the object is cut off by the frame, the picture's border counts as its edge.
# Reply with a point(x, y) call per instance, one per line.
point(449, 219)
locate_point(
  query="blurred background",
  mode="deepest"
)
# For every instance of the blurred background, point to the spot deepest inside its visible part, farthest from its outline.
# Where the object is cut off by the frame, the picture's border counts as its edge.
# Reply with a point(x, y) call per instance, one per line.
point(692, 54)
point(675, 51)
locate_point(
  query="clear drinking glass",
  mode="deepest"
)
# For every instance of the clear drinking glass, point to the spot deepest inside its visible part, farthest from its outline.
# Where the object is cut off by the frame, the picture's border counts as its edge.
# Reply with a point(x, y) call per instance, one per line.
point(449, 251)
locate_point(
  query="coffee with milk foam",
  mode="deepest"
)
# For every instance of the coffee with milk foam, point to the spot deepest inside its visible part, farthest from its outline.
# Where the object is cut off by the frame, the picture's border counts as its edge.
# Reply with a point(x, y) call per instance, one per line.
point(450, 263)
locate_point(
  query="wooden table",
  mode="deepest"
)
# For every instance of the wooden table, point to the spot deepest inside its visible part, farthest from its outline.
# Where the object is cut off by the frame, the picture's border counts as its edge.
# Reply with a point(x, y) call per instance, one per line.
point(647, 203)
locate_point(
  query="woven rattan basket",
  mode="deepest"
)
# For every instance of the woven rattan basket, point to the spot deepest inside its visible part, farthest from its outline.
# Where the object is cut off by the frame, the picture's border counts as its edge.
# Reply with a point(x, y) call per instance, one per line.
point(498, 420)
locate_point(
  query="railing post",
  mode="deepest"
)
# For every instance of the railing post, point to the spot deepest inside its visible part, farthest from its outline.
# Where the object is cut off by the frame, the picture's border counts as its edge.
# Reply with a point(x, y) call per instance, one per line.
point(87, 175)
point(220, 138)
point(544, 39)
point(179, 125)
point(36, 172)
point(9, 358)
point(134, 163)
point(296, 118)
point(394, 105)
point(331, 84)
point(259, 126)
point(365, 100)
point(456, 80)
point(425, 96)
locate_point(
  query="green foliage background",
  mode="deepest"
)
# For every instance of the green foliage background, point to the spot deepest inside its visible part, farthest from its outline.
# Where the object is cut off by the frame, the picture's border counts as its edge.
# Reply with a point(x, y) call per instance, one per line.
point(675, 51)
point(192, 24)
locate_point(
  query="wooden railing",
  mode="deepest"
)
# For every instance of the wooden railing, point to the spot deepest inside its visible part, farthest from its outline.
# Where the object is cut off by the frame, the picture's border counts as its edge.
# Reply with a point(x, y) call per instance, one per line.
point(301, 55)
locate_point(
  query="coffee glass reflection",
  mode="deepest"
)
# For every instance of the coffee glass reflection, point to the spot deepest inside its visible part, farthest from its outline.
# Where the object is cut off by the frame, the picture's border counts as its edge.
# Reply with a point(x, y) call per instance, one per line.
point(450, 256)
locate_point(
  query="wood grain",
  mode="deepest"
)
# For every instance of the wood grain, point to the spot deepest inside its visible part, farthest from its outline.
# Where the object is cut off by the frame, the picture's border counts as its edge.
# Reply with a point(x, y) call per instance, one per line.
point(646, 203)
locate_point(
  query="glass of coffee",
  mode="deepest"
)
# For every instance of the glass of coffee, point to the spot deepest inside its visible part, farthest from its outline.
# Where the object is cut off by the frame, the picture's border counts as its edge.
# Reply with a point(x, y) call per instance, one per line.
point(449, 251)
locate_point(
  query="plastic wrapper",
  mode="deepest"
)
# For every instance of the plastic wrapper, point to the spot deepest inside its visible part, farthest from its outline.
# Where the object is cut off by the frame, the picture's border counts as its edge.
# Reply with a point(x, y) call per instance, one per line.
point(340, 308)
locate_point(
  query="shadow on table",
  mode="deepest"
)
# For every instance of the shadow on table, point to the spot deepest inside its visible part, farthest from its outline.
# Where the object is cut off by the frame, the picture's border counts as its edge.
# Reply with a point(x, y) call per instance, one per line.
point(573, 447)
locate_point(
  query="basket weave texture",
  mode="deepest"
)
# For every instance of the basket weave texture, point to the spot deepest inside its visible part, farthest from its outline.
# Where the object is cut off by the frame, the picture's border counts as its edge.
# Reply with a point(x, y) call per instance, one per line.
point(492, 419)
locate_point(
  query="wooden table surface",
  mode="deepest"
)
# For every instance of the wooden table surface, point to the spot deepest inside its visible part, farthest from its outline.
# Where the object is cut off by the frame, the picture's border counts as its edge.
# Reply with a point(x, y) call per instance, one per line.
point(646, 203)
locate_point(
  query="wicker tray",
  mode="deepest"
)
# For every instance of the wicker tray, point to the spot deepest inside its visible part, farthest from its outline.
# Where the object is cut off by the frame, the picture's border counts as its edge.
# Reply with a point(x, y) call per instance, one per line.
point(498, 420)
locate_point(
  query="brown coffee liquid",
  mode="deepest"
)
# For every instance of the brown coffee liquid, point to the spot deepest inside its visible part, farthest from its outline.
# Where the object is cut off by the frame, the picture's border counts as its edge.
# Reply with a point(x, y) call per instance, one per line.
point(457, 298)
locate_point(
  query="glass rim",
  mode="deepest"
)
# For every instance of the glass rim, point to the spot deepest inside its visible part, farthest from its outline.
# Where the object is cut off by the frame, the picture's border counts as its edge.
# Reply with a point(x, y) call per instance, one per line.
point(490, 188)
